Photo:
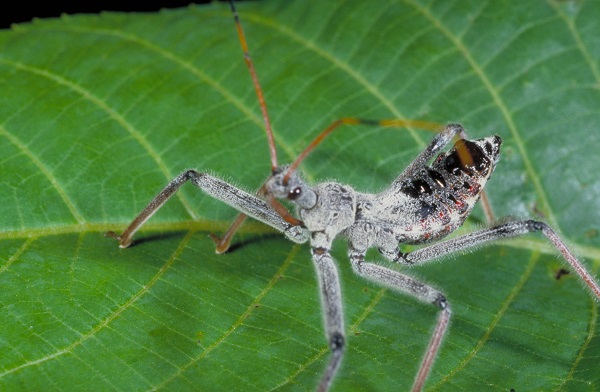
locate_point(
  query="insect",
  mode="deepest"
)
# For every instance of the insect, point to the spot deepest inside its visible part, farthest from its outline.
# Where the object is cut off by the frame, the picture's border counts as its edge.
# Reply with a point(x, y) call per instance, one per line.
point(429, 199)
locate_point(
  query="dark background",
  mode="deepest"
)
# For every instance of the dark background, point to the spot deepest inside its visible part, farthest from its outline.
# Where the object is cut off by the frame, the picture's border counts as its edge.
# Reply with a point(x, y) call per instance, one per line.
point(24, 11)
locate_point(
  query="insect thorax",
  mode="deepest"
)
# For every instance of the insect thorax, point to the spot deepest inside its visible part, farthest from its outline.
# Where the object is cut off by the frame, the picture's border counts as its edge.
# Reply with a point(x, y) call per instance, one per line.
point(334, 211)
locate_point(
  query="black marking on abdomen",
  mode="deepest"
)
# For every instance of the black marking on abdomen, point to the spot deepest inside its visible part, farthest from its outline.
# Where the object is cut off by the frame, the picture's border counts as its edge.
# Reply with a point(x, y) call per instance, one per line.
point(480, 163)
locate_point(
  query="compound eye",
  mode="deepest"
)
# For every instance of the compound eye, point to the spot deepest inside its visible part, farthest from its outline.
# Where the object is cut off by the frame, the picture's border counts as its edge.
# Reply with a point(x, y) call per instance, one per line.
point(294, 193)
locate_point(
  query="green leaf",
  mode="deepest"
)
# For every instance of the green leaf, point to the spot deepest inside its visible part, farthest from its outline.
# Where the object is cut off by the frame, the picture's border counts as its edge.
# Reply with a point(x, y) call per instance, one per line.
point(99, 112)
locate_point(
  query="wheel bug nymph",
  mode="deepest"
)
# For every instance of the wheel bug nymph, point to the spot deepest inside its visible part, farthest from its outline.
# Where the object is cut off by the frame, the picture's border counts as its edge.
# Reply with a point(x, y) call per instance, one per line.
point(428, 200)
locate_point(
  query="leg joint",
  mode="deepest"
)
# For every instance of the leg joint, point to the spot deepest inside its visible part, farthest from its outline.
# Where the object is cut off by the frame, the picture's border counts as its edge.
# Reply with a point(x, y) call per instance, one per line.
point(534, 225)
point(337, 342)
point(441, 302)
point(404, 258)
point(357, 258)
point(396, 256)
point(190, 174)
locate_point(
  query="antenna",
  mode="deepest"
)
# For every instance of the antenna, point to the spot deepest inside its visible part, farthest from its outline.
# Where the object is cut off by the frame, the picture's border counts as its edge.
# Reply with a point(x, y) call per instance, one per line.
point(259, 93)
point(426, 125)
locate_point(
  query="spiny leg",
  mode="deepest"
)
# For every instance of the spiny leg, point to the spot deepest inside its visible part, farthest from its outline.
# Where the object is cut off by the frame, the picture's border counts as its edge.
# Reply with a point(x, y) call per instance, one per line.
point(502, 231)
point(222, 243)
point(220, 190)
point(331, 303)
point(329, 286)
point(444, 248)
point(419, 290)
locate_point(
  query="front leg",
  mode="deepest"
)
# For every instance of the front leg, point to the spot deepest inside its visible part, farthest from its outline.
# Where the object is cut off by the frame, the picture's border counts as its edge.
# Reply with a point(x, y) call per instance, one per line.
point(438, 143)
point(331, 303)
point(220, 190)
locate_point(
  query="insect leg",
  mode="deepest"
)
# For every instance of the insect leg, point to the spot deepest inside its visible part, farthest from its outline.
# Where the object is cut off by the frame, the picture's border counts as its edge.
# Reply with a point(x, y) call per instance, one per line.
point(487, 207)
point(438, 143)
point(222, 243)
point(333, 312)
point(416, 289)
point(499, 232)
point(220, 190)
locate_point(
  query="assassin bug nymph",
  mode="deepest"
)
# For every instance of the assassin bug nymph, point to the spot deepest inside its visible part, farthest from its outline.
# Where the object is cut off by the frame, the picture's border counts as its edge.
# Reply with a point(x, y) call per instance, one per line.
point(427, 201)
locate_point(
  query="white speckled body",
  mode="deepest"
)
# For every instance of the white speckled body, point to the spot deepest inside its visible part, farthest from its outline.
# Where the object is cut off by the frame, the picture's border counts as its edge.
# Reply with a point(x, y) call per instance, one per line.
point(417, 208)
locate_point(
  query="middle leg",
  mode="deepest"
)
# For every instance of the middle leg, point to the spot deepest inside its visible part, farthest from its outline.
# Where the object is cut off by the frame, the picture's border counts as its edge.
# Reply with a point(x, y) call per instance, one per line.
point(416, 289)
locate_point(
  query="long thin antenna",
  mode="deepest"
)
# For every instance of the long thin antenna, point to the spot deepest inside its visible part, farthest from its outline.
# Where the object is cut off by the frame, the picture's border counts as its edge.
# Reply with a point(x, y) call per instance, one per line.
point(259, 93)
point(426, 125)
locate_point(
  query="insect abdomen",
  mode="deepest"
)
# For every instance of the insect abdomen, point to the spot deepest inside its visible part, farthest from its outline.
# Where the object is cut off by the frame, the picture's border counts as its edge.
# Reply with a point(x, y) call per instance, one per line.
point(442, 195)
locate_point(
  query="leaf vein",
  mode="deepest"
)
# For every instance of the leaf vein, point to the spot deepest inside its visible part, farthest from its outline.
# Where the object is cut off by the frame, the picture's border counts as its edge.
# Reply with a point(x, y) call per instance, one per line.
point(340, 64)
point(501, 105)
point(107, 320)
point(493, 323)
point(237, 323)
point(85, 93)
point(45, 171)
point(578, 40)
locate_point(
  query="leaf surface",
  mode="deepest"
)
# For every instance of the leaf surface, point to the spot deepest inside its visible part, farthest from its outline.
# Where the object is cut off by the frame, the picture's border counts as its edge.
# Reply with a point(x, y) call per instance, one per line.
point(99, 112)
